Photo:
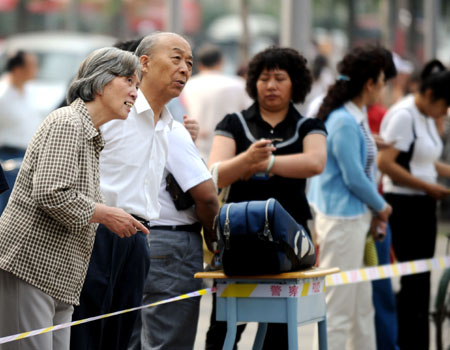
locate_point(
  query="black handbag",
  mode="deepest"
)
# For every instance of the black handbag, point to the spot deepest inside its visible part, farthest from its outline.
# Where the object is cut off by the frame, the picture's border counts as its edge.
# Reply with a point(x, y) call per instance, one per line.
point(182, 200)
point(261, 237)
point(404, 158)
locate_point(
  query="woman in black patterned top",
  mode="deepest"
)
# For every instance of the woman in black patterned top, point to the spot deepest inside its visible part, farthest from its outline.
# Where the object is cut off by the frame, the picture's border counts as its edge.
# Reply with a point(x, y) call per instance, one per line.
point(269, 150)
point(47, 229)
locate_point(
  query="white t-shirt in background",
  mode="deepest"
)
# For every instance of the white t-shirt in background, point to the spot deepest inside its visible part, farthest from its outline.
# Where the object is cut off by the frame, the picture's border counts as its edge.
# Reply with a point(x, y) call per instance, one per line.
point(397, 127)
point(208, 97)
point(19, 120)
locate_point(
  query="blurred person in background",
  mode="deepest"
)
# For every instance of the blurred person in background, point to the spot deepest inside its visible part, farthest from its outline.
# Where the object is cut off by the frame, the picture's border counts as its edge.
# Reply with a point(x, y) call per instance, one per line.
point(401, 83)
point(269, 150)
point(323, 77)
point(18, 118)
point(48, 227)
point(411, 167)
point(131, 170)
point(382, 293)
point(211, 94)
point(345, 194)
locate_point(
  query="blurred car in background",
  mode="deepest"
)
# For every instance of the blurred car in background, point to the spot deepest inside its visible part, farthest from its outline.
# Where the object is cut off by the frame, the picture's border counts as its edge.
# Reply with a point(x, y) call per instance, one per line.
point(59, 55)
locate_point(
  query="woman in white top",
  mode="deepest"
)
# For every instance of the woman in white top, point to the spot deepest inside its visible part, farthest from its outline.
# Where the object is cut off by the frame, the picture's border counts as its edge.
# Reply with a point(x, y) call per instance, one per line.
point(412, 166)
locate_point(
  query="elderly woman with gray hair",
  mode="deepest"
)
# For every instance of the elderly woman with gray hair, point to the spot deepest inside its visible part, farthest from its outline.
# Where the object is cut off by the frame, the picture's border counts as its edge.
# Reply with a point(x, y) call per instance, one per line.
point(47, 229)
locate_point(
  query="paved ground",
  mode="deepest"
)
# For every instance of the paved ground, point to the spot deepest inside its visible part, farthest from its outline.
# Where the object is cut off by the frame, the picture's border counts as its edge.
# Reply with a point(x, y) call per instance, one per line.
point(305, 333)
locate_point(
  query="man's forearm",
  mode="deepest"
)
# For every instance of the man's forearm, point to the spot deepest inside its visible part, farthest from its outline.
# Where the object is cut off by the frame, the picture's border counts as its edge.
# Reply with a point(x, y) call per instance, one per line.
point(206, 212)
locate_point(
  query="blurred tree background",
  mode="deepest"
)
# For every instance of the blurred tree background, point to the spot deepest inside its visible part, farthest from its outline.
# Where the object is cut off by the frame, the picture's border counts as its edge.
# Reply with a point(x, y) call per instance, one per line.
point(400, 24)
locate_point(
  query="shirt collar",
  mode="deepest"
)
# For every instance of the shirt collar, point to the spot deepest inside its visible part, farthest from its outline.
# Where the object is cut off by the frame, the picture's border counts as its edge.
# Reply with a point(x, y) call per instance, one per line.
point(89, 129)
point(359, 114)
point(141, 105)
point(166, 119)
point(253, 112)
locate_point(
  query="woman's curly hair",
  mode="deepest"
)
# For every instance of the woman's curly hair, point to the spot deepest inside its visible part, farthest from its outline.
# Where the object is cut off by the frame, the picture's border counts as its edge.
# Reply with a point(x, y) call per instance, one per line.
point(282, 58)
point(356, 68)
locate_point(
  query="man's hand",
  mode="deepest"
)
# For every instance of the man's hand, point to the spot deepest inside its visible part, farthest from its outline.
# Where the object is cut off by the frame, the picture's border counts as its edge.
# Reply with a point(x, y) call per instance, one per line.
point(192, 126)
point(211, 241)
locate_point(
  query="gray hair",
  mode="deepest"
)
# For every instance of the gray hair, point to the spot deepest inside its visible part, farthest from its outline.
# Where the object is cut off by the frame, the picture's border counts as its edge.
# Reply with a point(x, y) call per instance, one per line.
point(98, 69)
point(149, 42)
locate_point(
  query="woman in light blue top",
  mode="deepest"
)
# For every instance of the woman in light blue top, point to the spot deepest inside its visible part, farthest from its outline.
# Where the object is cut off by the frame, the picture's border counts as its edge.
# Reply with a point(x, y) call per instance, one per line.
point(344, 196)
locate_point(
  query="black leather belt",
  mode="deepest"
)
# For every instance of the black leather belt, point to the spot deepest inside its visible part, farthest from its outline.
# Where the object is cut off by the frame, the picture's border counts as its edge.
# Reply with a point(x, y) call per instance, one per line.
point(197, 227)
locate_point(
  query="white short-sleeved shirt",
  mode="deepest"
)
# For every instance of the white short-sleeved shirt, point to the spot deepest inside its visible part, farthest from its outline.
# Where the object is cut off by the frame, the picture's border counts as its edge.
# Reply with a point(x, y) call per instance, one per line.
point(208, 97)
point(19, 120)
point(186, 165)
point(133, 160)
point(397, 127)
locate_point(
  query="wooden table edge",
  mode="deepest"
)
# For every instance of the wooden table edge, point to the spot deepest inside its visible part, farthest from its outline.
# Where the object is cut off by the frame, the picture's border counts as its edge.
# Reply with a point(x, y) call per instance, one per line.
point(309, 273)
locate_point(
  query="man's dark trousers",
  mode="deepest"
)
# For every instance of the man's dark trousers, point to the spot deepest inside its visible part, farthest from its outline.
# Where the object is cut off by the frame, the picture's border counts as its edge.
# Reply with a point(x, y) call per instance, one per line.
point(115, 281)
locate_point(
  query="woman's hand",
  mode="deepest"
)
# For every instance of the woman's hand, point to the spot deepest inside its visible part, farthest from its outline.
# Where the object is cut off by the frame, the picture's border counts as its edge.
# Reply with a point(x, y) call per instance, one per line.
point(381, 144)
point(437, 191)
point(388, 165)
point(117, 220)
point(257, 157)
point(384, 214)
point(243, 166)
point(379, 223)
point(378, 229)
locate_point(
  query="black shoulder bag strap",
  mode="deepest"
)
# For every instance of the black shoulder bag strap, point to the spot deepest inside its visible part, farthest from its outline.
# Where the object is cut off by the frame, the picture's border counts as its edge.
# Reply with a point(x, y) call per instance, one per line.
point(404, 158)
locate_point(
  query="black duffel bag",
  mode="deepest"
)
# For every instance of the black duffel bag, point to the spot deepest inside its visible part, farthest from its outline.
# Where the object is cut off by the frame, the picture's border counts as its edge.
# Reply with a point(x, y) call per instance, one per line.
point(261, 237)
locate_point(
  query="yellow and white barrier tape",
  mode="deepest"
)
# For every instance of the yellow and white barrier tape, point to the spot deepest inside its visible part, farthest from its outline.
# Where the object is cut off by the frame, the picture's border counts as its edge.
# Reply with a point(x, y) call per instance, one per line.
point(309, 287)
point(387, 271)
point(11, 338)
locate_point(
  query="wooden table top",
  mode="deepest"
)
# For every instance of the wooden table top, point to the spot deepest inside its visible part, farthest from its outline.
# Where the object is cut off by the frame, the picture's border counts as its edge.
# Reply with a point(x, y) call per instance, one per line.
point(308, 273)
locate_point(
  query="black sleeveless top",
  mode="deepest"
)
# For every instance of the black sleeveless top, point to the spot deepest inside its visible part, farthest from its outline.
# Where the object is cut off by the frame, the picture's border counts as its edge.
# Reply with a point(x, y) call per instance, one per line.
point(246, 128)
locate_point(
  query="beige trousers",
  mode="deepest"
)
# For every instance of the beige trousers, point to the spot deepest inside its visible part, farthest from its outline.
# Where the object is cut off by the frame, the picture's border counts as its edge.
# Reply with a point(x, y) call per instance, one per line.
point(350, 312)
point(26, 308)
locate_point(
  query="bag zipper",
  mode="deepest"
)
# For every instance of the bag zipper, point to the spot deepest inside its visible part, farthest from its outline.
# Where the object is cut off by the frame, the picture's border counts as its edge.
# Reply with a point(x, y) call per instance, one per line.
point(267, 232)
point(226, 227)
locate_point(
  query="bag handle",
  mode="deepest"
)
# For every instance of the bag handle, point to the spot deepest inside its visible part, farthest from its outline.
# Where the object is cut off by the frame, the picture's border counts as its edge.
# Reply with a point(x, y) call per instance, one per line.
point(223, 192)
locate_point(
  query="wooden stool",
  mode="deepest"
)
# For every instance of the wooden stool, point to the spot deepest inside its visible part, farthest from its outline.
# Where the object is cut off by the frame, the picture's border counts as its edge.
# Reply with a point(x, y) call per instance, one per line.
point(295, 298)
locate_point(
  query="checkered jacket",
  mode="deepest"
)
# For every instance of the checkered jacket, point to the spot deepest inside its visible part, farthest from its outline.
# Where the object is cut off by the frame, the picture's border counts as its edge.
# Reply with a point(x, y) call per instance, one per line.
point(45, 235)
